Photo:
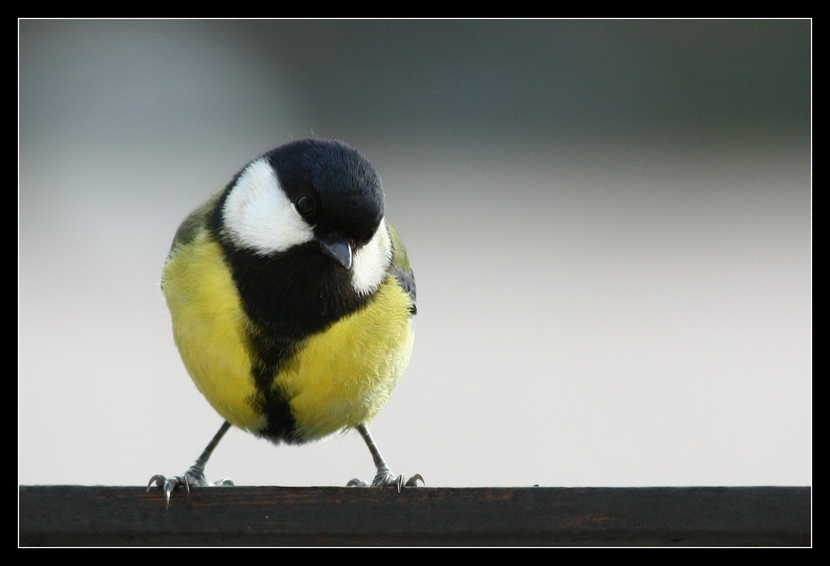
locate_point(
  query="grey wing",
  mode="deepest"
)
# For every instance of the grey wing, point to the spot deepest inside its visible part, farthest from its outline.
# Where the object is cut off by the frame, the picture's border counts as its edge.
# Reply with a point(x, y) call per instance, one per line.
point(400, 267)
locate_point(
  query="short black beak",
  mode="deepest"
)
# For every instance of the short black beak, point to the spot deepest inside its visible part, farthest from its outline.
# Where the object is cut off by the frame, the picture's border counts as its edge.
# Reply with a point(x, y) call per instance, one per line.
point(338, 249)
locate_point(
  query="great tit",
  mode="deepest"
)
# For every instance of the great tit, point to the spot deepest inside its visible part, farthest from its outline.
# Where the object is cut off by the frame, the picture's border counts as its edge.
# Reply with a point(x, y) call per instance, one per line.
point(292, 301)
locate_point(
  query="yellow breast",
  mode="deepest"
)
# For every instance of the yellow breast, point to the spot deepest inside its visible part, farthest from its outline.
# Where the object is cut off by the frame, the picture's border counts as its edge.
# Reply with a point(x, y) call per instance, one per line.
point(208, 326)
point(339, 378)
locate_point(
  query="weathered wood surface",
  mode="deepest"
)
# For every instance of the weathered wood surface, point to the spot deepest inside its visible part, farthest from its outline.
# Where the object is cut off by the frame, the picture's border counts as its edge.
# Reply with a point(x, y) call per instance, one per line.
point(333, 516)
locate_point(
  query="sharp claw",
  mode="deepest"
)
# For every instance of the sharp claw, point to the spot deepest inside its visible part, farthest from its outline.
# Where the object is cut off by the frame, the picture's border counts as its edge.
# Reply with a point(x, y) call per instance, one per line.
point(389, 480)
point(169, 486)
point(413, 481)
point(157, 479)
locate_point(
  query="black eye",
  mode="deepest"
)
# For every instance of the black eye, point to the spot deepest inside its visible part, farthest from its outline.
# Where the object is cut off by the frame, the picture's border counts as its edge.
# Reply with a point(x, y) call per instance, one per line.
point(305, 205)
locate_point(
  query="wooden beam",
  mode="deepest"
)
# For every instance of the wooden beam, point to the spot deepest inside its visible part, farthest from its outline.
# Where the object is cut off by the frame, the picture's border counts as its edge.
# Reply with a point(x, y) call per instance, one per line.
point(424, 516)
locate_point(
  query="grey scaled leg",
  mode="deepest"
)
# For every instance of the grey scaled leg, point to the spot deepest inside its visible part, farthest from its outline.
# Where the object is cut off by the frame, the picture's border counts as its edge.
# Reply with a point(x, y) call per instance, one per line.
point(384, 477)
point(195, 475)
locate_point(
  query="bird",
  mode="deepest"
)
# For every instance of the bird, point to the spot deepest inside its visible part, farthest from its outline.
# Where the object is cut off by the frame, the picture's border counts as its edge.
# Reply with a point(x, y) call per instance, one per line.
point(292, 299)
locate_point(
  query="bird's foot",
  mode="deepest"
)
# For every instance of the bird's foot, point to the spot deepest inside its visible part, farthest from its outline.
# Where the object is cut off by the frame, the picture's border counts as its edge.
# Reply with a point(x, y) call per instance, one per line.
point(386, 478)
point(191, 478)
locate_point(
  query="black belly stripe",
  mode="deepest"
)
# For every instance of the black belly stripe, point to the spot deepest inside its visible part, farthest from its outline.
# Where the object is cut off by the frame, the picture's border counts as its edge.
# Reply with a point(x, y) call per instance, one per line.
point(287, 297)
point(280, 424)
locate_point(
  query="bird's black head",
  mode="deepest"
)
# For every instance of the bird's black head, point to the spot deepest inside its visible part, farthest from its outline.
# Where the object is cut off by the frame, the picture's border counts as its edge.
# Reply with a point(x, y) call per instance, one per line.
point(333, 186)
point(304, 236)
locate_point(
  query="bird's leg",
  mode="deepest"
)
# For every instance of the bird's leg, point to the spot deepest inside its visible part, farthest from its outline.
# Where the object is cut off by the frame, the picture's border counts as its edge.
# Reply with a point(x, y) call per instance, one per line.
point(384, 477)
point(195, 474)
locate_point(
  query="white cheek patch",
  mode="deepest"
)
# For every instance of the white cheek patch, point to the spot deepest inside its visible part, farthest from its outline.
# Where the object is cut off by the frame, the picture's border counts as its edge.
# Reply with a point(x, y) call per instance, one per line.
point(257, 214)
point(371, 262)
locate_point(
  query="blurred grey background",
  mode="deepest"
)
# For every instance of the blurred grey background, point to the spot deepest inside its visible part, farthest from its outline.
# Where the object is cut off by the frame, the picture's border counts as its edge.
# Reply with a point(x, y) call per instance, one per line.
point(609, 221)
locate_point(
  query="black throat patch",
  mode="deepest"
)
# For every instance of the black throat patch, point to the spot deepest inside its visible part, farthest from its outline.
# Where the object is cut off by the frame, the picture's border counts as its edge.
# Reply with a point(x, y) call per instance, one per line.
point(287, 297)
